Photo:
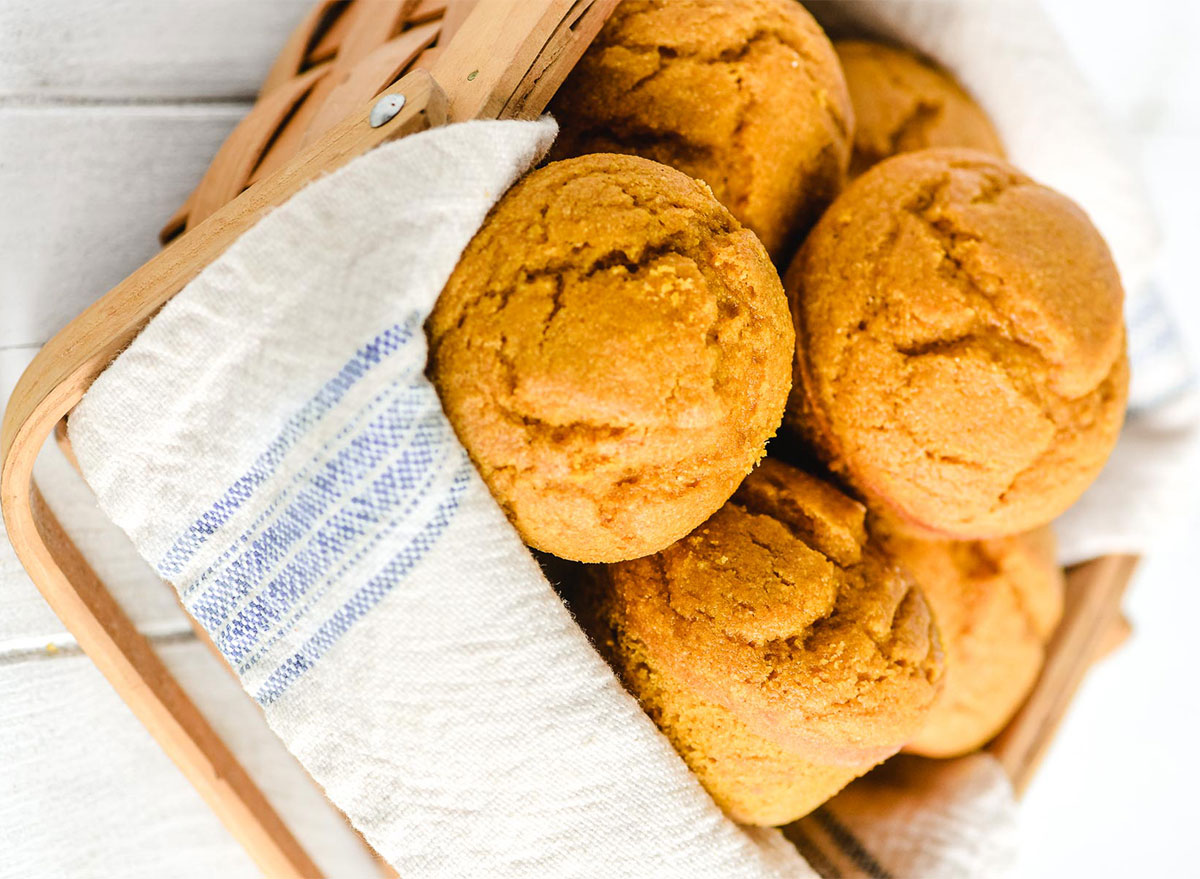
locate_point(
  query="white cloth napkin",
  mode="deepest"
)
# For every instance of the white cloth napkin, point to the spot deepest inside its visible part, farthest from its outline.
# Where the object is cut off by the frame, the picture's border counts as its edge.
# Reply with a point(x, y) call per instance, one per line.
point(271, 445)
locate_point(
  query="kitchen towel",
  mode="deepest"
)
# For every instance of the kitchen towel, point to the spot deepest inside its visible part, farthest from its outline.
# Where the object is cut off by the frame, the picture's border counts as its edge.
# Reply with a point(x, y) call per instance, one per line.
point(272, 446)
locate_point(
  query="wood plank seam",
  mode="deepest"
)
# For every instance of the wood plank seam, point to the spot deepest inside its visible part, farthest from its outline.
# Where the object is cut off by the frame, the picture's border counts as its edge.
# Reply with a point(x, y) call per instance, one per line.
point(69, 102)
point(58, 650)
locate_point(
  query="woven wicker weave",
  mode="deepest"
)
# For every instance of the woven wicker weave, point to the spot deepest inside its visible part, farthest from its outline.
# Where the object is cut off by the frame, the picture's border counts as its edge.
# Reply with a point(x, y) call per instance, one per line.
point(344, 52)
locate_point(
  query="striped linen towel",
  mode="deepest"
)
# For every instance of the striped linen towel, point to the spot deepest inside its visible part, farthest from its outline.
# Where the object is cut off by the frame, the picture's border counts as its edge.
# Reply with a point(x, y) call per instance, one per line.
point(272, 446)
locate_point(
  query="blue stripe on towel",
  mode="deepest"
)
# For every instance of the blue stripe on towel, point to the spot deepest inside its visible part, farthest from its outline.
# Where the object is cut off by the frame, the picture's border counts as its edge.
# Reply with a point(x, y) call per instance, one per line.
point(370, 355)
point(300, 479)
point(396, 426)
point(368, 596)
point(391, 470)
point(403, 485)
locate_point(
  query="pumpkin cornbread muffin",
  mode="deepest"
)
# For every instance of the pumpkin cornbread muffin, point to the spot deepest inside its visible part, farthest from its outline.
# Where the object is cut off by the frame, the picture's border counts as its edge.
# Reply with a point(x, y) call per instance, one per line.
point(961, 349)
point(778, 647)
point(614, 351)
point(746, 95)
point(996, 603)
point(904, 103)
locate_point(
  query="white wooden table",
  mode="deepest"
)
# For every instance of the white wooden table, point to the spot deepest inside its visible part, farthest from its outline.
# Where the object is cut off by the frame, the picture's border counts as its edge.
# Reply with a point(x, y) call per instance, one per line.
point(108, 115)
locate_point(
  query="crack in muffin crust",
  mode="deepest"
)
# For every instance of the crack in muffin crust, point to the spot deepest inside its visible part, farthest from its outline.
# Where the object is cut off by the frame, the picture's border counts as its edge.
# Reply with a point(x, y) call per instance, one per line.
point(960, 344)
point(777, 646)
point(614, 352)
point(746, 95)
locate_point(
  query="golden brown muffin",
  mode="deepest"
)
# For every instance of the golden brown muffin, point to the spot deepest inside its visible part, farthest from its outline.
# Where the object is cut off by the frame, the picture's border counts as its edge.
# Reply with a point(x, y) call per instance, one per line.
point(614, 350)
point(904, 103)
point(746, 95)
point(960, 345)
point(780, 650)
point(996, 603)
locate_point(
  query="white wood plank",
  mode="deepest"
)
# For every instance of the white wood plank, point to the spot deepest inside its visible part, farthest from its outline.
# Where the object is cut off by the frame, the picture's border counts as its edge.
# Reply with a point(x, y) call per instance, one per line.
point(13, 360)
point(85, 191)
point(141, 49)
point(83, 788)
point(150, 602)
point(26, 622)
point(85, 791)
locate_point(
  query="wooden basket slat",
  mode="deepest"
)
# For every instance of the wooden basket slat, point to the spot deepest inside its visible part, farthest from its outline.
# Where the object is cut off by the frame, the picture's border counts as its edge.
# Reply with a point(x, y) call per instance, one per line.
point(295, 56)
point(345, 40)
point(325, 42)
point(242, 151)
point(453, 16)
point(428, 10)
point(370, 76)
point(370, 24)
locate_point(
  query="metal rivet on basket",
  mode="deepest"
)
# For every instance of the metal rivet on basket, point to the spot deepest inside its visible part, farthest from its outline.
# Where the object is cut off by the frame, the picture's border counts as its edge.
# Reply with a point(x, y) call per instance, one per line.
point(385, 109)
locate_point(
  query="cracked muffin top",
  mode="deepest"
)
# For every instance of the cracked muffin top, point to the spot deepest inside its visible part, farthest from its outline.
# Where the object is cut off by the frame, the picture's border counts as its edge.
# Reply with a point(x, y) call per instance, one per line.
point(614, 351)
point(746, 95)
point(783, 611)
point(904, 103)
point(961, 348)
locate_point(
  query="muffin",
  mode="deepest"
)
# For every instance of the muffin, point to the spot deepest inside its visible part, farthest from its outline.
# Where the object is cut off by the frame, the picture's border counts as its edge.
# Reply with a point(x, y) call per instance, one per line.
point(904, 103)
point(960, 344)
point(780, 650)
point(996, 603)
point(614, 351)
point(746, 95)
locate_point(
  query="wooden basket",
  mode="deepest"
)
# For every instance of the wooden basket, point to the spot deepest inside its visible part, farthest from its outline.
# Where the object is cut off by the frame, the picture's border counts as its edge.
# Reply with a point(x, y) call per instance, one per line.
point(451, 60)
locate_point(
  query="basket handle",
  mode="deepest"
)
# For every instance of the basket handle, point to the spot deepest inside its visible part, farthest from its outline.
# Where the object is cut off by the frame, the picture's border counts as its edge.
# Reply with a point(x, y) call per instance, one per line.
point(51, 386)
point(525, 48)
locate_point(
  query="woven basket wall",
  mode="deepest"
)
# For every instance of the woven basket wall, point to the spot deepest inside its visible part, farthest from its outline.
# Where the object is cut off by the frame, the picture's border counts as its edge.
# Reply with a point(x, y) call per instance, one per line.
point(343, 53)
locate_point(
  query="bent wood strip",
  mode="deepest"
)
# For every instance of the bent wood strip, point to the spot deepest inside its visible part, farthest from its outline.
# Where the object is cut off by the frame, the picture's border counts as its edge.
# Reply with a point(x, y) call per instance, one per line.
point(484, 83)
point(453, 16)
point(330, 39)
point(125, 657)
point(564, 47)
point(371, 75)
point(57, 379)
point(427, 10)
point(290, 60)
point(369, 24)
point(242, 150)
